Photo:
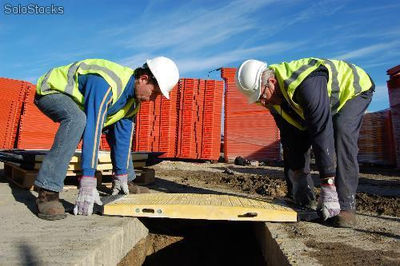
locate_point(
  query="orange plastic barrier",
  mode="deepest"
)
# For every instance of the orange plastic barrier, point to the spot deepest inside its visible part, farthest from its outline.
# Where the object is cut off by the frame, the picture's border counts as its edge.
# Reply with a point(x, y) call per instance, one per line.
point(250, 130)
point(187, 126)
point(376, 139)
point(13, 93)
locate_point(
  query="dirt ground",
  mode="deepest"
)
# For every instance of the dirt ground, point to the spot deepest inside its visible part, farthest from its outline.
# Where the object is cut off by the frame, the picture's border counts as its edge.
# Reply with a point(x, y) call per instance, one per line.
point(174, 242)
point(378, 193)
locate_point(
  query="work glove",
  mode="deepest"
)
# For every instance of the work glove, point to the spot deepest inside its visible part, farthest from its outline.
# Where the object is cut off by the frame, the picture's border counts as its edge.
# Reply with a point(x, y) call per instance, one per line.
point(87, 196)
point(302, 188)
point(328, 202)
point(120, 184)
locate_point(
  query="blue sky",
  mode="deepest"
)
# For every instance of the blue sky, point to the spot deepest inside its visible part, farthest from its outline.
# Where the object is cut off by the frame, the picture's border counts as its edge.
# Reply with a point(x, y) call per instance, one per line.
point(202, 35)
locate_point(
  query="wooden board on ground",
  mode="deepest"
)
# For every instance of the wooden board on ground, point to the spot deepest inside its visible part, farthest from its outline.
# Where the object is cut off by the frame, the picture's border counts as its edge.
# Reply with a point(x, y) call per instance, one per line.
point(103, 157)
point(199, 206)
point(144, 176)
point(20, 177)
point(25, 178)
point(100, 167)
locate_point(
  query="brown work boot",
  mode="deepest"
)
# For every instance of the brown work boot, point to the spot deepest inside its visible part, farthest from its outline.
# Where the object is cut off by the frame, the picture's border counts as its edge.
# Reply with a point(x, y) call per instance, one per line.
point(135, 189)
point(345, 219)
point(49, 206)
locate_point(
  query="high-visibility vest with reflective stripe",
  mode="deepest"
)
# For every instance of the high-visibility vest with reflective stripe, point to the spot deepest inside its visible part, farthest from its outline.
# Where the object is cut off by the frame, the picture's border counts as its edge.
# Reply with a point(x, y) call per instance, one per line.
point(64, 79)
point(345, 82)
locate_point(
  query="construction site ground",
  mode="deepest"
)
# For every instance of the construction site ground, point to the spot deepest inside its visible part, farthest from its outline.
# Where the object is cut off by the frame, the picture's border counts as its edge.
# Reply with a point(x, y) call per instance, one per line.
point(26, 239)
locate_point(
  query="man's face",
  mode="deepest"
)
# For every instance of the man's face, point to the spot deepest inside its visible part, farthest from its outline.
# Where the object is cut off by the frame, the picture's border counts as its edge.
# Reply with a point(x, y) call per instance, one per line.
point(267, 91)
point(270, 93)
point(146, 89)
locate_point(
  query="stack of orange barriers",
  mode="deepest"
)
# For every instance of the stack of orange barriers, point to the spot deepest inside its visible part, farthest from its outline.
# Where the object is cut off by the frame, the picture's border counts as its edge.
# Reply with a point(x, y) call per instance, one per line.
point(36, 130)
point(156, 125)
point(188, 126)
point(376, 139)
point(13, 93)
point(250, 130)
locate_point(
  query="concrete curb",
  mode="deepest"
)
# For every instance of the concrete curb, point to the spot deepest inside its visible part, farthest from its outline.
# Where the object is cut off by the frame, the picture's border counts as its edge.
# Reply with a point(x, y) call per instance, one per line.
point(277, 247)
point(113, 249)
point(76, 240)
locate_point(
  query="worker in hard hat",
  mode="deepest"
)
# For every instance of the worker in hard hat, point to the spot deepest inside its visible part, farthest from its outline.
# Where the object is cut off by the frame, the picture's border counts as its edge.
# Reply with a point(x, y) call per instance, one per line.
point(86, 97)
point(316, 103)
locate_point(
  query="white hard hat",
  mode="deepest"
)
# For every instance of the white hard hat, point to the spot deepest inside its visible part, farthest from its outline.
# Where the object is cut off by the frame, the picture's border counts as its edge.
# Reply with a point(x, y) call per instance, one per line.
point(248, 78)
point(165, 72)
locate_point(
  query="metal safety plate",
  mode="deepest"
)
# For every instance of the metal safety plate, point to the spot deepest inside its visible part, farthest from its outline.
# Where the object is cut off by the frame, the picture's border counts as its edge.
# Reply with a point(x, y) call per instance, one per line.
point(199, 206)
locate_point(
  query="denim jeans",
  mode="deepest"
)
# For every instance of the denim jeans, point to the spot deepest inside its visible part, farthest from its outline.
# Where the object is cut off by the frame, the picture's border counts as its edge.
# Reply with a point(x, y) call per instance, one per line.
point(62, 109)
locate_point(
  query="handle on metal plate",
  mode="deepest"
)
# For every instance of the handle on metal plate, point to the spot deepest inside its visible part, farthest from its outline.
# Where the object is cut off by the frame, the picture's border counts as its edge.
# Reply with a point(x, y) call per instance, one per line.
point(248, 215)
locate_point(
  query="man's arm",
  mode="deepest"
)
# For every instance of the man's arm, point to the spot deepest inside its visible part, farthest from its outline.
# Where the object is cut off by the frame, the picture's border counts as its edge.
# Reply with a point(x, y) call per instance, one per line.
point(312, 95)
point(98, 95)
point(120, 139)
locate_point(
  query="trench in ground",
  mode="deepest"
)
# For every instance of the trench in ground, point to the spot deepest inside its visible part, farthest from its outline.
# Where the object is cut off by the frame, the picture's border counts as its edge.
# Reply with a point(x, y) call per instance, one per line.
point(196, 242)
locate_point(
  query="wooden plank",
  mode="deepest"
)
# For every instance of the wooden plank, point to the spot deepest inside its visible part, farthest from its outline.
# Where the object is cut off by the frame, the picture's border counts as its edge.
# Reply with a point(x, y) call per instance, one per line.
point(145, 176)
point(199, 206)
point(25, 178)
point(19, 176)
point(77, 166)
point(106, 158)
point(103, 157)
point(39, 158)
point(139, 164)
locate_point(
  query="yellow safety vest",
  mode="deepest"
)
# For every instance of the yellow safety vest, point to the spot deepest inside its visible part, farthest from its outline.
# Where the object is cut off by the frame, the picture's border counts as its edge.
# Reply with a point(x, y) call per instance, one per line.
point(64, 79)
point(345, 82)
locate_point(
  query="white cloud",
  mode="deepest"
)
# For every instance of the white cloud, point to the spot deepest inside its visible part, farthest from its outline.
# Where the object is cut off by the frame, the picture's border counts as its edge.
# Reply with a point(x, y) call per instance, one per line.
point(135, 60)
point(372, 49)
point(224, 59)
point(317, 9)
point(189, 29)
point(384, 33)
point(375, 8)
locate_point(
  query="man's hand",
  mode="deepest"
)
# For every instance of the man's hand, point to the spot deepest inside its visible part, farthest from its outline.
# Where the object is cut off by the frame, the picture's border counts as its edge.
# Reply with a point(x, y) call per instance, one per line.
point(328, 203)
point(120, 183)
point(87, 196)
point(303, 188)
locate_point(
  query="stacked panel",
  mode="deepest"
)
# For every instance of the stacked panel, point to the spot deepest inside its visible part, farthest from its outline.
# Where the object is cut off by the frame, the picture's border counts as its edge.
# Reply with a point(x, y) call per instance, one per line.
point(104, 144)
point(36, 130)
point(168, 124)
point(211, 140)
point(199, 116)
point(250, 130)
point(187, 112)
point(394, 101)
point(188, 126)
point(143, 120)
point(156, 125)
point(376, 139)
point(13, 93)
